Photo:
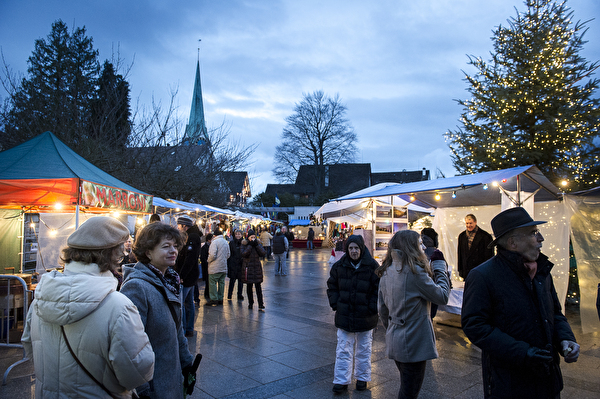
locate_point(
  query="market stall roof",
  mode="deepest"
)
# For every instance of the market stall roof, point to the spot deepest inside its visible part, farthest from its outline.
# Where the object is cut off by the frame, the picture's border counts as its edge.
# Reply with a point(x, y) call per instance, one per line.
point(478, 189)
point(44, 171)
point(202, 208)
point(299, 222)
point(163, 203)
point(339, 208)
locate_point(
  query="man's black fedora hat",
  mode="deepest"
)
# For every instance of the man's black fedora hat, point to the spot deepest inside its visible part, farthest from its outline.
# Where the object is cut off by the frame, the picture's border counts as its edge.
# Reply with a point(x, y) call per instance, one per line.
point(510, 219)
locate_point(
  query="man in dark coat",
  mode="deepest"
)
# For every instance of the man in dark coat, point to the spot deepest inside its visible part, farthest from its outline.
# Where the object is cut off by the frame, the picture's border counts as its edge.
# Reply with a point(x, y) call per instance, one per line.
point(512, 313)
point(187, 268)
point(473, 246)
point(352, 289)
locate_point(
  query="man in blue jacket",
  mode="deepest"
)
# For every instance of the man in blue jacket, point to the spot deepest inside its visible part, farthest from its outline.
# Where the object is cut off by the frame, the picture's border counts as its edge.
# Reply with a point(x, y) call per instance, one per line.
point(511, 311)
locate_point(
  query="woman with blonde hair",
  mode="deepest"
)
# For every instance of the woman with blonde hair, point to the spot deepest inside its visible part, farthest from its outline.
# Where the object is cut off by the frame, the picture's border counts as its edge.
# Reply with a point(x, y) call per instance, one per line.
point(409, 283)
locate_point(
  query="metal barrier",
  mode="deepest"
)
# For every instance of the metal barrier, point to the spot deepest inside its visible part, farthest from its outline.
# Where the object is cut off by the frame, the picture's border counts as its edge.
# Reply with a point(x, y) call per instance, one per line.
point(9, 306)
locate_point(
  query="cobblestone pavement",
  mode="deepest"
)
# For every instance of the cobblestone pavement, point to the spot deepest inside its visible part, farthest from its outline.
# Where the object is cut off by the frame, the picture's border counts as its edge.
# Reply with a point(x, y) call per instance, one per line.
point(288, 350)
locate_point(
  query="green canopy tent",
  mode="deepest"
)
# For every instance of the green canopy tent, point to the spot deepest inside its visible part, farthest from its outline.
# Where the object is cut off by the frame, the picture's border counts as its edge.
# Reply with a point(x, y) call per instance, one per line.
point(44, 175)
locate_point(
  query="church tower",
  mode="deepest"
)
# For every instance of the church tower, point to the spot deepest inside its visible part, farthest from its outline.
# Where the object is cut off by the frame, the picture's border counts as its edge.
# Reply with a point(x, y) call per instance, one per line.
point(195, 130)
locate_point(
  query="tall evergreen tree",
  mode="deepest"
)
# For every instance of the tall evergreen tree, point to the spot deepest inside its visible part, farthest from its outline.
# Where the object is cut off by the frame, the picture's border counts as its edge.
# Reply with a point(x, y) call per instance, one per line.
point(56, 95)
point(110, 110)
point(532, 103)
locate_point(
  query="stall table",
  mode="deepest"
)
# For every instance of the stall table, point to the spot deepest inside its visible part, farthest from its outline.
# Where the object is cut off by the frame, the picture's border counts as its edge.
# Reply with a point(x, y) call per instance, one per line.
point(302, 243)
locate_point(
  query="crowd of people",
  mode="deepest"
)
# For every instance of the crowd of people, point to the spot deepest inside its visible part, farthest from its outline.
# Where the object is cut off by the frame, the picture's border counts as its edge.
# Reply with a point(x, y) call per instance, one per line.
point(123, 333)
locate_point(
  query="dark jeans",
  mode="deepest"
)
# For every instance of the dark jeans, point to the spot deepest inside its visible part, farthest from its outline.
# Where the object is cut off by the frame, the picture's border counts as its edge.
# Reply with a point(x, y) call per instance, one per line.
point(240, 287)
point(259, 296)
point(411, 379)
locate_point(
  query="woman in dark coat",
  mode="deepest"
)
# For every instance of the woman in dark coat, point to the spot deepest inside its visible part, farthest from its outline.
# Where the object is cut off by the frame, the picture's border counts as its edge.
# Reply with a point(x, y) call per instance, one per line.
point(153, 287)
point(252, 250)
point(234, 266)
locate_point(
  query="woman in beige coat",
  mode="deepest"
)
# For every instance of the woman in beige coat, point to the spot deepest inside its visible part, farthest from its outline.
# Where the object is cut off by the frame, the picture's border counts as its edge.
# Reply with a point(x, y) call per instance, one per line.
point(408, 284)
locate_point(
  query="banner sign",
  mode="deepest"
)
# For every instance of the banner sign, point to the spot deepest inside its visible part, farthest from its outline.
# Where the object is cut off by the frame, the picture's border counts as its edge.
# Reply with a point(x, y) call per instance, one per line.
point(99, 196)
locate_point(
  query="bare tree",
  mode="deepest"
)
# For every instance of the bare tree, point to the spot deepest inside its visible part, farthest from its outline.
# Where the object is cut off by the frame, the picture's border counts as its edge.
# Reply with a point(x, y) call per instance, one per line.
point(317, 133)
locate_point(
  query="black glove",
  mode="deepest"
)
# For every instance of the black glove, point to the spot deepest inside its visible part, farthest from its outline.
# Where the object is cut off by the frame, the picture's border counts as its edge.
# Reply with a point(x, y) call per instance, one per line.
point(537, 355)
point(254, 243)
point(189, 379)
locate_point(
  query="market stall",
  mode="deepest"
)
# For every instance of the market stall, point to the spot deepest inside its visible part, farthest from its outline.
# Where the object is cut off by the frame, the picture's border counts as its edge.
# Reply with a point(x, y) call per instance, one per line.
point(485, 195)
point(584, 215)
point(50, 190)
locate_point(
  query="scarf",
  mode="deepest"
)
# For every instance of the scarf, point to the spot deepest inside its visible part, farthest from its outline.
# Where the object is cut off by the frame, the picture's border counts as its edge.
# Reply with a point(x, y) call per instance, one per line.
point(170, 279)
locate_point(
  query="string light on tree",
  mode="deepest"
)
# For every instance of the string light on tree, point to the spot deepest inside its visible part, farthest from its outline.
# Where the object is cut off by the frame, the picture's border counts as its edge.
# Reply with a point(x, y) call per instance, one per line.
point(532, 102)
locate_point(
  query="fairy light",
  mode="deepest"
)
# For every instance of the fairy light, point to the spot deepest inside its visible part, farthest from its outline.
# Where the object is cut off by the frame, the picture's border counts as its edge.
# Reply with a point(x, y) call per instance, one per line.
point(533, 103)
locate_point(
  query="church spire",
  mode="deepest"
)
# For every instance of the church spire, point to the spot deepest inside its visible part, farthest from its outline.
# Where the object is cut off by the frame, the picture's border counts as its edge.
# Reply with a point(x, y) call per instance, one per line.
point(195, 130)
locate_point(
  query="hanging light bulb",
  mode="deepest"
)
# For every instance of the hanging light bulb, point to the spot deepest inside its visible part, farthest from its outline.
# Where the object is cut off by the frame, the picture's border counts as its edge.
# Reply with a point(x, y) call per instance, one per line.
point(485, 187)
point(412, 198)
point(438, 196)
point(453, 194)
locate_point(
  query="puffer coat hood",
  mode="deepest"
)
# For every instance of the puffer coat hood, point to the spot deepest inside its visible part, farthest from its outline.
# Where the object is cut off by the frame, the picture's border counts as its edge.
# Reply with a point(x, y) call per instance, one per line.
point(358, 240)
point(67, 298)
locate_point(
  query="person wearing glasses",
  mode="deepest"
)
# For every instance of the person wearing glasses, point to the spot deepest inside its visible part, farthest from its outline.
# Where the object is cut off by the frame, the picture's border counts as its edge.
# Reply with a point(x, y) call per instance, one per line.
point(512, 313)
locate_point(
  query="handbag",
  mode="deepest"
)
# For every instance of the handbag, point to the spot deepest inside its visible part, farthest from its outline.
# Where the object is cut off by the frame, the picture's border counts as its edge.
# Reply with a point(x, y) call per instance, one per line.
point(133, 393)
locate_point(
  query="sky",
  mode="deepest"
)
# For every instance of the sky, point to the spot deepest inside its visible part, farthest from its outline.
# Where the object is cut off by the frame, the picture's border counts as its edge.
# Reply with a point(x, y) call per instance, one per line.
point(398, 66)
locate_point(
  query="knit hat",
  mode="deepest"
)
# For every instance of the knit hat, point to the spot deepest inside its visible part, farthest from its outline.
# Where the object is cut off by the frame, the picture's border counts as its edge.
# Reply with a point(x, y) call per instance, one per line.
point(185, 220)
point(251, 233)
point(99, 232)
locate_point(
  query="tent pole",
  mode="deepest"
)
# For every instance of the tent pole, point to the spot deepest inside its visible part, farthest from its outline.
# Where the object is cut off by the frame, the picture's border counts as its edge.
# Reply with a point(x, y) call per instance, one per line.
point(22, 253)
point(76, 216)
point(519, 191)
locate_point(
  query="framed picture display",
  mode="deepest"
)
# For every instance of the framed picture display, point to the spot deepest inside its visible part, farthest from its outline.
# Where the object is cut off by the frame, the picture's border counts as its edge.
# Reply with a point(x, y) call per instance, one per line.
point(388, 220)
point(399, 226)
point(383, 227)
point(381, 243)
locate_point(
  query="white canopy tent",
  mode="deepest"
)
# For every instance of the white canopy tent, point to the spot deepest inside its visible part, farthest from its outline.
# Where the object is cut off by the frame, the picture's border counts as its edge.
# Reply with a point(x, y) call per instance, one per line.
point(485, 195)
point(354, 211)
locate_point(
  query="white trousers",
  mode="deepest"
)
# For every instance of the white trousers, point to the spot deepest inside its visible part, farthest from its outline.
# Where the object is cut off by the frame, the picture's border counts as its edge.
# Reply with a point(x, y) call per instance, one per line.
point(351, 347)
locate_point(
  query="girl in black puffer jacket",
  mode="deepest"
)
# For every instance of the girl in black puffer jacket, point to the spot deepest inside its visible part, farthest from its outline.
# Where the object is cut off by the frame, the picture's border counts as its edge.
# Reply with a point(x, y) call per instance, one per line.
point(352, 289)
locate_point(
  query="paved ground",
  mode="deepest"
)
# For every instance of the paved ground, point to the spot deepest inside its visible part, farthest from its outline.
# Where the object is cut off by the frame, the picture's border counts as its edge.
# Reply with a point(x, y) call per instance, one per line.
point(288, 351)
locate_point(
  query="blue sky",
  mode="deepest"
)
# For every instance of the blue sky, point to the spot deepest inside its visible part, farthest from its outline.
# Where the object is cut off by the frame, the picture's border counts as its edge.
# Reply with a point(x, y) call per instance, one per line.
point(397, 65)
